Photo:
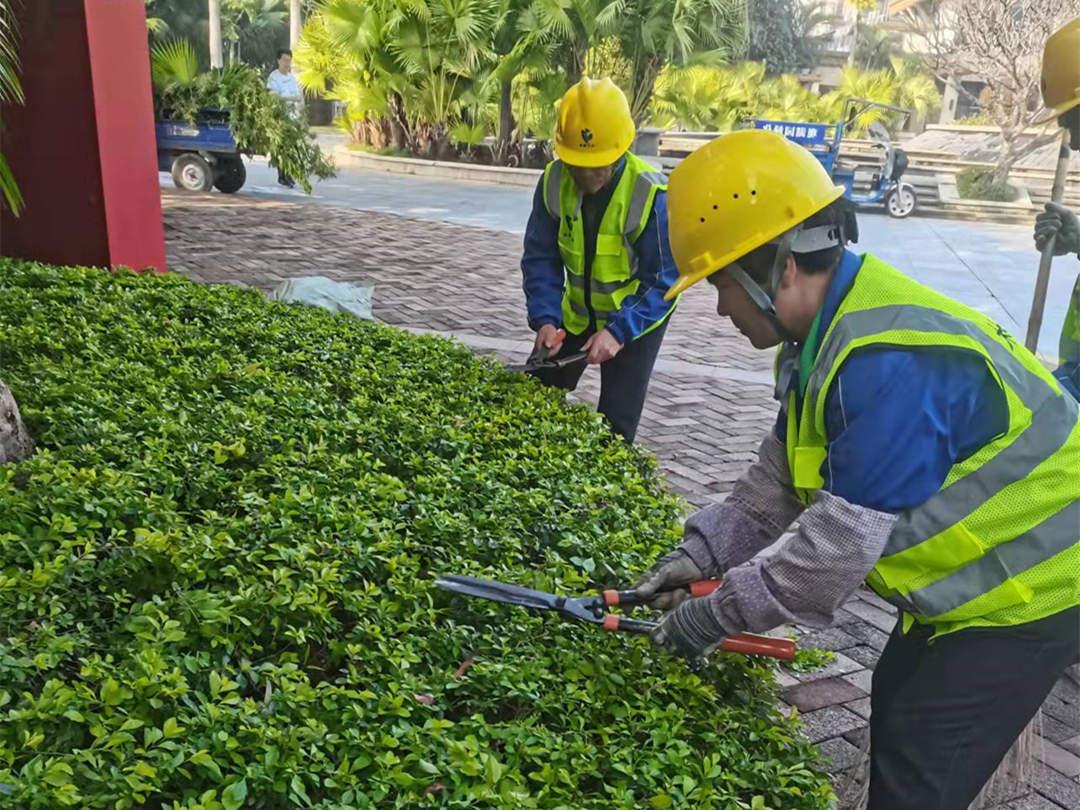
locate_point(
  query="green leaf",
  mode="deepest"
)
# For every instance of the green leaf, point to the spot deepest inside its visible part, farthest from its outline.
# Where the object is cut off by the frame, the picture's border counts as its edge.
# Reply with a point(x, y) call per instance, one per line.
point(234, 795)
point(296, 786)
point(205, 760)
point(58, 773)
point(112, 693)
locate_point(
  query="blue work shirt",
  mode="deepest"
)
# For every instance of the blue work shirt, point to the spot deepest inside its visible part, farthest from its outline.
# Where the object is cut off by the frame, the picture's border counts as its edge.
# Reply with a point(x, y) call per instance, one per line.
point(1068, 373)
point(543, 275)
point(898, 419)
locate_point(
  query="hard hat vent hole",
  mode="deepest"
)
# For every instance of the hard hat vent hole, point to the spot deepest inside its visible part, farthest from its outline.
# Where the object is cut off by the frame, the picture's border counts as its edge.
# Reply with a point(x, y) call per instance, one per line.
point(703, 219)
point(715, 207)
point(753, 192)
point(734, 196)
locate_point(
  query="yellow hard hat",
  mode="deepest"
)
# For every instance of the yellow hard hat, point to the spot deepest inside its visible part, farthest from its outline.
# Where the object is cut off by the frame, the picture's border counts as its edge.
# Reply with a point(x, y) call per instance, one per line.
point(1061, 71)
point(595, 125)
point(735, 194)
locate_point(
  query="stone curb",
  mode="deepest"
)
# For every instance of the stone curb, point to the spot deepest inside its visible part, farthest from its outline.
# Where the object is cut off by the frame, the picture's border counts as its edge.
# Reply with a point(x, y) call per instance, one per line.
point(443, 170)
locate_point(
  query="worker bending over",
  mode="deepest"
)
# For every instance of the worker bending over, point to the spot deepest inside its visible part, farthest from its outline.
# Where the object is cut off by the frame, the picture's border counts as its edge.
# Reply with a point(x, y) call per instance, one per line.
point(921, 449)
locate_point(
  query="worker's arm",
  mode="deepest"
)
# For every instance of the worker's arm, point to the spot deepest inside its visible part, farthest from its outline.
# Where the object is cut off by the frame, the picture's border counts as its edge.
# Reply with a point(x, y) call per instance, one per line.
point(897, 422)
point(759, 509)
point(542, 266)
point(1068, 373)
point(656, 272)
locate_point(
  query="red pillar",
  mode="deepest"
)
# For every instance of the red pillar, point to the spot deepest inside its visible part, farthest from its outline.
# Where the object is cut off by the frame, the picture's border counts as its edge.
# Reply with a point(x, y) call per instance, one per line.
point(82, 148)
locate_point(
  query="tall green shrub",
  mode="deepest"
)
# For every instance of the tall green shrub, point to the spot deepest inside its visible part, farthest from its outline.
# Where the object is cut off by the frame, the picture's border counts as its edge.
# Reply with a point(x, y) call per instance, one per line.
point(215, 575)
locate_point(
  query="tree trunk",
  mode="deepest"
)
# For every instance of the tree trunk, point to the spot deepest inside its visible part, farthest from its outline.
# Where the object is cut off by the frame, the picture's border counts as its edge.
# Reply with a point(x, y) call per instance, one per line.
point(1009, 154)
point(296, 22)
point(506, 116)
point(15, 441)
point(399, 133)
point(575, 62)
point(217, 59)
point(854, 37)
point(644, 86)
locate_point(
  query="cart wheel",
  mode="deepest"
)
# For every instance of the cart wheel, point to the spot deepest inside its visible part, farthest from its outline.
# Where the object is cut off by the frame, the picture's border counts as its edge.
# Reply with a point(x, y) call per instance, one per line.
point(231, 175)
point(191, 172)
point(902, 202)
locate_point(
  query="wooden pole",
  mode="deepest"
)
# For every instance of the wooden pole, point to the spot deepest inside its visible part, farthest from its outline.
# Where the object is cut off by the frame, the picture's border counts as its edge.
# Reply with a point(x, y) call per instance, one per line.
point(1042, 281)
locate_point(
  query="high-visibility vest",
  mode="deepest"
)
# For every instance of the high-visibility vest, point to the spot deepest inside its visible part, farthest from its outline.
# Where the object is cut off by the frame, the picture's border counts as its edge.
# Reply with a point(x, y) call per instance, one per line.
point(612, 273)
point(999, 543)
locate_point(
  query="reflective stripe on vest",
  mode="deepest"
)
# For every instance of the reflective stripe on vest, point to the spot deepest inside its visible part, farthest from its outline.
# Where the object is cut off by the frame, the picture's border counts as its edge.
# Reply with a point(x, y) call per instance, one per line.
point(990, 546)
point(613, 268)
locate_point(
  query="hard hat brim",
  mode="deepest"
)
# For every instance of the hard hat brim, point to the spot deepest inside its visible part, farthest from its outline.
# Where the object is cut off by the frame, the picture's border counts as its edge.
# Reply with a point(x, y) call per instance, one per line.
point(1058, 111)
point(591, 158)
point(683, 283)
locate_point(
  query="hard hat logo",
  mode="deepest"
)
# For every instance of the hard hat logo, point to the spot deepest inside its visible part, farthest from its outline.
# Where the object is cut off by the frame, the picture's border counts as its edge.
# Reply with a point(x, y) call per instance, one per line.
point(595, 126)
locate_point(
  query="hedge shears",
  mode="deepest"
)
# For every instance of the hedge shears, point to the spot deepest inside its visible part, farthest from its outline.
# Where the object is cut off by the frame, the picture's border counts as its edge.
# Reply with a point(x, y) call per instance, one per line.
point(541, 358)
point(594, 610)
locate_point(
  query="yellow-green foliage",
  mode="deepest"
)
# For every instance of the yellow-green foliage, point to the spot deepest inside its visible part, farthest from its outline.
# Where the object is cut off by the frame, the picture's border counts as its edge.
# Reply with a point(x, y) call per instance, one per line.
point(716, 99)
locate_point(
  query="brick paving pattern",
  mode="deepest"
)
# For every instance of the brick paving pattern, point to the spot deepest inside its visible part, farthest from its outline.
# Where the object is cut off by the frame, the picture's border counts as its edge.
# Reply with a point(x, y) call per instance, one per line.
point(709, 403)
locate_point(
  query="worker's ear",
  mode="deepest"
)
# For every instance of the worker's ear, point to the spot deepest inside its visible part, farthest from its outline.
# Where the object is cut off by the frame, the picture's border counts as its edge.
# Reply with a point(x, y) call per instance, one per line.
point(790, 275)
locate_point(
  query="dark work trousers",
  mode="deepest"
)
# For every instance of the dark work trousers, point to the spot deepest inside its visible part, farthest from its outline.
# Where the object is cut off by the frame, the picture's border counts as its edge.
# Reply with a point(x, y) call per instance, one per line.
point(944, 713)
point(624, 379)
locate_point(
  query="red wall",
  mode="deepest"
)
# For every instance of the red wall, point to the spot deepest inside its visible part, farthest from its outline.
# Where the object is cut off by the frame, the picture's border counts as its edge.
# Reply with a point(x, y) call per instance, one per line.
point(82, 148)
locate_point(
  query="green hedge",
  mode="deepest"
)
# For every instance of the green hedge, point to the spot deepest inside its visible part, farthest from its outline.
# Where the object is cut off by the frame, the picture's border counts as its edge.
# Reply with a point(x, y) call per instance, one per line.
point(974, 183)
point(215, 575)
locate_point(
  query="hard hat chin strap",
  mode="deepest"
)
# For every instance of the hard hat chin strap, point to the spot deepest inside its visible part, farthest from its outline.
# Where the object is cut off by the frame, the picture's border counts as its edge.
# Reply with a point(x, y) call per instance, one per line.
point(797, 240)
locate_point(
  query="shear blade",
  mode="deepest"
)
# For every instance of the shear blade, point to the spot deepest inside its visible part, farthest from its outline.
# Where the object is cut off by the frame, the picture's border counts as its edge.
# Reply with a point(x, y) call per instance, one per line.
point(498, 592)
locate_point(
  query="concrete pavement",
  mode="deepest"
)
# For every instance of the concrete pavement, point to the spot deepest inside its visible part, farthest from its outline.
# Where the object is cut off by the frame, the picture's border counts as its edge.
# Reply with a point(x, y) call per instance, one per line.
point(986, 266)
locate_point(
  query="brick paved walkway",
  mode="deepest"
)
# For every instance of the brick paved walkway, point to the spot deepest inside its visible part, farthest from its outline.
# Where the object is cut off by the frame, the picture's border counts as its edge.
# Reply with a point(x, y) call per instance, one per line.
point(709, 404)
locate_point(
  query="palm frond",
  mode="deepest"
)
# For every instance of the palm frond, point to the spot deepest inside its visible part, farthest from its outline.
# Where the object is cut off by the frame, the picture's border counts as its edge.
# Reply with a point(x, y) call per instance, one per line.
point(9, 188)
point(173, 63)
point(10, 87)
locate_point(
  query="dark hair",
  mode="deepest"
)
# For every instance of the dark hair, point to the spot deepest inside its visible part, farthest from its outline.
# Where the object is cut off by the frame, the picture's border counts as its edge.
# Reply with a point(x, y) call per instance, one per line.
point(840, 213)
point(284, 52)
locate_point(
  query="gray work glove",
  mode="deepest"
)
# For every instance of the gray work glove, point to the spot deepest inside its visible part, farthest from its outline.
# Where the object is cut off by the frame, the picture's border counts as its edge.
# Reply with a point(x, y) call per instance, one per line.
point(1059, 222)
point(660, 586)
point(691, 630)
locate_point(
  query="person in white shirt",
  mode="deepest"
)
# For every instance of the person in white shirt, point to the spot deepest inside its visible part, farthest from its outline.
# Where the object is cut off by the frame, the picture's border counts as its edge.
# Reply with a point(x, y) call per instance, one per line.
point(282, 83)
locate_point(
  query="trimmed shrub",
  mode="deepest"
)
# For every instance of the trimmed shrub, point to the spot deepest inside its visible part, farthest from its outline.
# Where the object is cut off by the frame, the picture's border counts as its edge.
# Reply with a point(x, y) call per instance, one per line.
point(215, 575)
point(979, 184)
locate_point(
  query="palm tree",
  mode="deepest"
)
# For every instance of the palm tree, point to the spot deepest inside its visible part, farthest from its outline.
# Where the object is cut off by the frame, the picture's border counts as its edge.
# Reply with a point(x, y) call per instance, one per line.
point(155, 25)
point(578, 25)
point(251, 22)
point(916, 90)
point(655, 33)
point(10, 93)
point(860, 6)
point(419, 56)
point(691, 98)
